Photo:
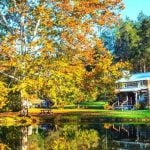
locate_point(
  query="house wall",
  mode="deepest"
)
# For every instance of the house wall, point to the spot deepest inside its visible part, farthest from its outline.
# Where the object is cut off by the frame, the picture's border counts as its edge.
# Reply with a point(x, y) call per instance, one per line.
point(149, 98)
point(149, 84)
point(133, 84)
point(149, 93)
point(142, 94)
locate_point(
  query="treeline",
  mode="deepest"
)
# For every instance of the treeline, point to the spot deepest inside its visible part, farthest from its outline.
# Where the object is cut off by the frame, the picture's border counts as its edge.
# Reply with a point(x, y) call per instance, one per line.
point(129, 41)
point(132, 43)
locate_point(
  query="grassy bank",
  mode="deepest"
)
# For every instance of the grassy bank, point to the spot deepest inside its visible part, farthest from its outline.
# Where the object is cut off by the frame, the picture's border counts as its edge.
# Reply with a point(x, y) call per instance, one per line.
point(99, 112)
point(96, 115)
point(88, 110)
point(84, 115)
point(83, 111)
point(87, 105)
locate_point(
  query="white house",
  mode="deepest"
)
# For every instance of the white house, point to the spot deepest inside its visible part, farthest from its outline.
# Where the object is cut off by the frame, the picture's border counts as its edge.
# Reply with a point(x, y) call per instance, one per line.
point(132, 90)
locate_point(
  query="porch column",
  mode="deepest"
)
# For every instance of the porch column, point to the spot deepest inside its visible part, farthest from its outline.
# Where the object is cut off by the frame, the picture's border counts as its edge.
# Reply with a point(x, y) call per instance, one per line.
point(149, 98)
point(127, 98)
point(139, 96)
point(136, 98)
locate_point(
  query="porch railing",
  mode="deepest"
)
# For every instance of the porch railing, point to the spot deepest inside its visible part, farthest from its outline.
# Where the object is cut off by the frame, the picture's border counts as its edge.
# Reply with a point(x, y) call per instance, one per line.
point(124, 105)
point(115, 104)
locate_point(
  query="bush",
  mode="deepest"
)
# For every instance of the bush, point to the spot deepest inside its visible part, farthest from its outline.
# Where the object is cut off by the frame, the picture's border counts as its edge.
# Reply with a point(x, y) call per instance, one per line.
point(137, 106)
point(148, 107)
point(107, 107)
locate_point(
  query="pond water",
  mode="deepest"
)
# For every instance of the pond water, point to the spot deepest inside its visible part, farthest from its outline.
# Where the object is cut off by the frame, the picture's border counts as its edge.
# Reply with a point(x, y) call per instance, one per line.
point(76, 135)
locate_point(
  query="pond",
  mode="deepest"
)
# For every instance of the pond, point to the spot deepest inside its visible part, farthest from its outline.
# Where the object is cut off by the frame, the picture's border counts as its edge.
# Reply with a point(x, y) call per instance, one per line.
point(53, 134)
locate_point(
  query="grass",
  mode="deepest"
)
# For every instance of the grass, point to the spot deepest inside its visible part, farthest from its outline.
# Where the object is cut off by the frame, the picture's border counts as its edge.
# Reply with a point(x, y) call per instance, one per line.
point(136, 114)
point(87, 105)
point(87, 110)
point(93, 105)
point(85, 114)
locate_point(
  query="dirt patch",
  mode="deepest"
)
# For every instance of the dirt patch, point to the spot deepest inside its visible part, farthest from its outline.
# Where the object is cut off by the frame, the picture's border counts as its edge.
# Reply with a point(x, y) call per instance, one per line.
point(9, 114)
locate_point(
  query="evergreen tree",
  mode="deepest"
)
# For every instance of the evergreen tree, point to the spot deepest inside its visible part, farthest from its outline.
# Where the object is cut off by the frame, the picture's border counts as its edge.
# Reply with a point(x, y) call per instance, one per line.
point(144, 45)
point(133, 43)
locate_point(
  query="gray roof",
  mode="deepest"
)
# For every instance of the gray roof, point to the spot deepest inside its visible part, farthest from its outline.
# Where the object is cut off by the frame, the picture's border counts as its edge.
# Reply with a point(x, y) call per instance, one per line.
point(136, 77)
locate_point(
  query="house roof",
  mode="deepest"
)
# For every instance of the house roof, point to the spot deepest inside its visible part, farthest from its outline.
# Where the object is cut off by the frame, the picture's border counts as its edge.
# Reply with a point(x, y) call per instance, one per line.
point(136, 77)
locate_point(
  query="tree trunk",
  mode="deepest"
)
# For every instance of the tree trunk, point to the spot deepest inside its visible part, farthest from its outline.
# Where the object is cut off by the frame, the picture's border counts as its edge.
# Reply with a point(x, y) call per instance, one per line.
point(144, 66)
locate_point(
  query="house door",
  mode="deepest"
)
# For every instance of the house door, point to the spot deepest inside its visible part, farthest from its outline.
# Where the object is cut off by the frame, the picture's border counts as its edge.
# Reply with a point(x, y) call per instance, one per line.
point(131, 98)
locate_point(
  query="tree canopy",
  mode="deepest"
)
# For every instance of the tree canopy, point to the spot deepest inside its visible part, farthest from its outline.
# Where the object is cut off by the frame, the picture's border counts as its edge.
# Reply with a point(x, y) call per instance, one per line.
point(49, 49)
point(132, 43)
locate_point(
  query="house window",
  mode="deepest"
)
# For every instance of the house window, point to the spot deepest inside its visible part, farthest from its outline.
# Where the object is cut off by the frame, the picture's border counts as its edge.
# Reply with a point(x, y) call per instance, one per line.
point(132, 84)
point(143, 83)
point(125, 85)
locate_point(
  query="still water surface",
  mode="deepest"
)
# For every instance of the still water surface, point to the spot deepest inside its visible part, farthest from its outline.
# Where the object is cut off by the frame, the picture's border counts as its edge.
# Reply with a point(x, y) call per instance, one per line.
point(76, 135)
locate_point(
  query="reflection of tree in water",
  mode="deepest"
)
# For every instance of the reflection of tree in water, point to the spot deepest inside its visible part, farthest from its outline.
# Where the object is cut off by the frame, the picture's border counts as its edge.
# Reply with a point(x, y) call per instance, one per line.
point(77, 136)
point(4, 147)
point(70, 138)
point(11, 136)
point(19, 138)
point(35, 142)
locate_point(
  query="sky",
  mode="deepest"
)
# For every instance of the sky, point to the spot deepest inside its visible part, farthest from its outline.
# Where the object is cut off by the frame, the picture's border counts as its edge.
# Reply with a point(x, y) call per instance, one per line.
point(133, 7)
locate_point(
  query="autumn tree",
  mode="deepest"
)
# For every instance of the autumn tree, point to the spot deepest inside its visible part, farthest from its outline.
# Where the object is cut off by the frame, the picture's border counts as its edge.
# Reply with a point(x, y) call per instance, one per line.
point(50, 49)
point(20, 47)
point(4, 92)
point(85, 45)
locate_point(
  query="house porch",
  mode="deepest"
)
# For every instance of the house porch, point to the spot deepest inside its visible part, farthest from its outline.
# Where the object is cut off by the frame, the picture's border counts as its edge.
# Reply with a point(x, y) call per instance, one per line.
point(128, 99)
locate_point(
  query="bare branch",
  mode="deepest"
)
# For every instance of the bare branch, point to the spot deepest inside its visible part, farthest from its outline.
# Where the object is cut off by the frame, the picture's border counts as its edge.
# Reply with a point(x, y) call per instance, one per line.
point(4, 19)
point(4, 22)
point(36, 29)
point(10, 76)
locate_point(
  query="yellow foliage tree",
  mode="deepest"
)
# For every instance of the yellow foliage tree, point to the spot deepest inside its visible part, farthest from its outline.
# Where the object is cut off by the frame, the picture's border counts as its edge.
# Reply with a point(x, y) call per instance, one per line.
point(51, 50)
point(3, 95)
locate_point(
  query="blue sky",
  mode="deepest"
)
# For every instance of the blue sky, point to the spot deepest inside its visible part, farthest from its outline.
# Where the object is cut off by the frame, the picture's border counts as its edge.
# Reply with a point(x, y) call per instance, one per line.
point(133, 7)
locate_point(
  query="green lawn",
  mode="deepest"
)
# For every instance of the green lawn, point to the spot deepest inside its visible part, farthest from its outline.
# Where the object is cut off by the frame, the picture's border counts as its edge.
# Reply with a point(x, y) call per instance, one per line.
point(97, 109)
point(141, 114)
point(85, 114)
point(87, 110)
point(92, 105)
point(88, 105)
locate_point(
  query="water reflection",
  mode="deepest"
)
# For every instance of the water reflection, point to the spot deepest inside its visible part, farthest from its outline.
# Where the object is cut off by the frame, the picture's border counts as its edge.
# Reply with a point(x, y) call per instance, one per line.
point(76, 136)
point(131, 137)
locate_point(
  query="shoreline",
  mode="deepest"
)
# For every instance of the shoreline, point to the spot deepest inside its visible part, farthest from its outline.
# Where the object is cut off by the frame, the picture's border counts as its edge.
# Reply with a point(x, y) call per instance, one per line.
point(84, 115)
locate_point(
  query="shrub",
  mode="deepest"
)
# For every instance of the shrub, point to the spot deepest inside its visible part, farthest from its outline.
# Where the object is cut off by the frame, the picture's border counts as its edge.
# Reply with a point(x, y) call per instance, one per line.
point(137, 106)
point(107, 107)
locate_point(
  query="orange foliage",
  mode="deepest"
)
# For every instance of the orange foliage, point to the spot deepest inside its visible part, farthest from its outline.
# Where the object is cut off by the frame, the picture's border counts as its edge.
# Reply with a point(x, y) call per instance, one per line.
point(54, 52)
